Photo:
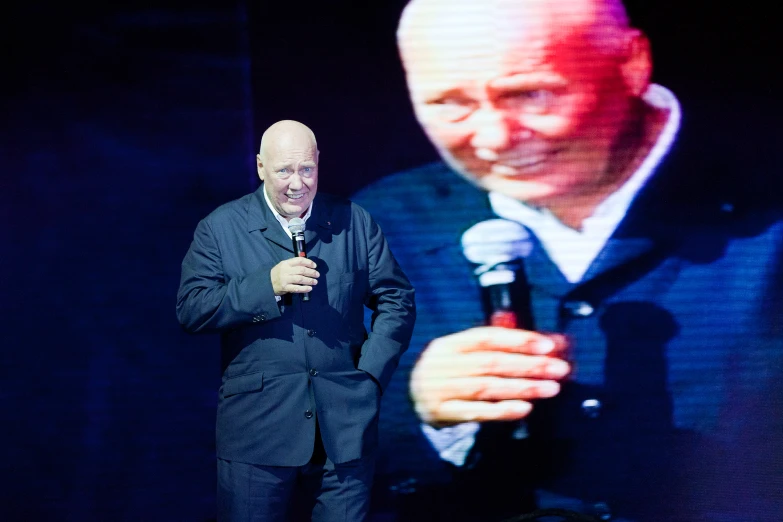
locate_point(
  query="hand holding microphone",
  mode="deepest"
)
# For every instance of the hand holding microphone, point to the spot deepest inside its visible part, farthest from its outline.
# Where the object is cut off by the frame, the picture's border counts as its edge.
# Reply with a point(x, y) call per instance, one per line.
point(297, 275)
point(495, 372)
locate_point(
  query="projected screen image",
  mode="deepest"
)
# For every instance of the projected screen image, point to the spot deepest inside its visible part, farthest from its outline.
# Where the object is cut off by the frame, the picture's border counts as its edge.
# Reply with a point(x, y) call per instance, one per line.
point(596, 253)
point(585, 194)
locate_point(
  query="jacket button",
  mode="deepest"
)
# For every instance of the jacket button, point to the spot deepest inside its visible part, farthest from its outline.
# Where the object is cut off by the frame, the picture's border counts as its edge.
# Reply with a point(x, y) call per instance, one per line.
point(259, 318)
point(311, 332)
point(313, 372)
point(308, 414)
point(579, 308)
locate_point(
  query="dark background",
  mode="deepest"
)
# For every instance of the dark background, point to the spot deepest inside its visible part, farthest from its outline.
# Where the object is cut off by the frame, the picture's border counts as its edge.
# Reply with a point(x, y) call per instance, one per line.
point(122, 125)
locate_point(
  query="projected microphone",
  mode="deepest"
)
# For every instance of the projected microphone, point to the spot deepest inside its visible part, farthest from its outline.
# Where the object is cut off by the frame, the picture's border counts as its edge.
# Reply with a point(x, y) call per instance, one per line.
point(498, 247)
point(297, 227)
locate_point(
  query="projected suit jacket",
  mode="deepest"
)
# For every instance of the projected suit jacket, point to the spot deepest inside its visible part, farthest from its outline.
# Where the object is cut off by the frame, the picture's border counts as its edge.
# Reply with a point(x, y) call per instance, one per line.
point(287, 364)
point(677, 333)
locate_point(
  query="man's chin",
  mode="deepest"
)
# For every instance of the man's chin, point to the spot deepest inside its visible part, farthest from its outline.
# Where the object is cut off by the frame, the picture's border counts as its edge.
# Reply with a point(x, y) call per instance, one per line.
point(535, 192)
point(292, 211)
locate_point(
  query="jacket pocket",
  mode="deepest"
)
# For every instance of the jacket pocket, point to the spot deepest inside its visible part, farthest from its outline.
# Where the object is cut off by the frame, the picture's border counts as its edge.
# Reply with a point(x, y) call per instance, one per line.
point(246, 383)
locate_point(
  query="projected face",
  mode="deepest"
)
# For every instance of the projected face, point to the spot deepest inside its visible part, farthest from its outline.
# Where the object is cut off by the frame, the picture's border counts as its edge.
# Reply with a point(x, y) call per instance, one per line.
point(288, 166)
point(518, 101)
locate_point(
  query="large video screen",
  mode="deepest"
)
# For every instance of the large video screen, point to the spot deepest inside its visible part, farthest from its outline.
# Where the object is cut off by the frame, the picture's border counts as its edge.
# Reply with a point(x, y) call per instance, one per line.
point(585, 196)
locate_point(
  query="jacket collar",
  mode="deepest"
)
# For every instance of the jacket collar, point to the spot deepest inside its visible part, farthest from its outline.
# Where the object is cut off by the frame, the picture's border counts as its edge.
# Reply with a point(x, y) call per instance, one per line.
point(260, 217)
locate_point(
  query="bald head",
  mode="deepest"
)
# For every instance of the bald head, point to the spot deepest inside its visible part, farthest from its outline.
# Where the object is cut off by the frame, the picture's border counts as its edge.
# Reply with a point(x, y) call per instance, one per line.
point(288, 165)
point(525, 97)
point(446, 22)
point(285, 130)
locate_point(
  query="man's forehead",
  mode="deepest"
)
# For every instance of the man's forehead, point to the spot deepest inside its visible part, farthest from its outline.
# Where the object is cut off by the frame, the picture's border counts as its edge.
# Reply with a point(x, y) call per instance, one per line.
point(539, 58)
point(520, 32)
point(292, 156)
point(511, 13)
point(475, 37)
point(455, 20)
point(468, 55)
point(292, 145)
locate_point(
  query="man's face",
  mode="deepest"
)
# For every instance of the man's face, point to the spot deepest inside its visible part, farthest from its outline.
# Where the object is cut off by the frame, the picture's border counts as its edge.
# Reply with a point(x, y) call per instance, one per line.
point(520, 107)
point(289, 169)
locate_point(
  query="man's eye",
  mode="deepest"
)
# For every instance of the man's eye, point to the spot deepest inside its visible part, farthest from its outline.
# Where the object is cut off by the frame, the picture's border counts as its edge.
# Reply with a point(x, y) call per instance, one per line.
point(306, 170)
point(452, 109)
point(541, 96)
point(282, 171)
point(535, 101)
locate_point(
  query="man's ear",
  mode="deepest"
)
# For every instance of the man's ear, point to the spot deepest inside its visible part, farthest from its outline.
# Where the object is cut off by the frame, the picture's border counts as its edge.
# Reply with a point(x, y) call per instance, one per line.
point(260, 167)
point(636, 68)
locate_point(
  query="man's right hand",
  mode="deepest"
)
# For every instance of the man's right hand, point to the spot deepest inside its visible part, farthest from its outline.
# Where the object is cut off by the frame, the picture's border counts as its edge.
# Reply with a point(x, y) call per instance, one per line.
point(295, 276)
point(486, 374)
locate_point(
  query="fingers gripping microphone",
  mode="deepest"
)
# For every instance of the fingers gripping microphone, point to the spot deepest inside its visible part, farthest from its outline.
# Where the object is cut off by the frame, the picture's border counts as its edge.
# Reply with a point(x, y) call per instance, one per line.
point(498, 247)
point(297, 227)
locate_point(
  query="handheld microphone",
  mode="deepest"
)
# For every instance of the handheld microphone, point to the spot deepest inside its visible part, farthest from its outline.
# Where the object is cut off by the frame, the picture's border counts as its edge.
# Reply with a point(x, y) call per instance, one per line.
point(297, 227)
point(499, 246)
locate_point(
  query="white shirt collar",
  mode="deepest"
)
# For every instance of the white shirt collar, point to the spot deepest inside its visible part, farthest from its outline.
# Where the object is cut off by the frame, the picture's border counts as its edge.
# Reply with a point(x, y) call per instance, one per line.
point(573, 250)
point(280, 219)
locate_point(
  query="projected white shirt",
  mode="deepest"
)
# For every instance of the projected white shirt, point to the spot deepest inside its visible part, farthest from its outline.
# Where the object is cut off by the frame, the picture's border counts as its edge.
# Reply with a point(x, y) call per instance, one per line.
point(572, 251)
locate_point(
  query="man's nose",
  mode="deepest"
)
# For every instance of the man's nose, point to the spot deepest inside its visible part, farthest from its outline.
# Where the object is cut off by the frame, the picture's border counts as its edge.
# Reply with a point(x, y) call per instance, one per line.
point(295, 182)
point(494, 131)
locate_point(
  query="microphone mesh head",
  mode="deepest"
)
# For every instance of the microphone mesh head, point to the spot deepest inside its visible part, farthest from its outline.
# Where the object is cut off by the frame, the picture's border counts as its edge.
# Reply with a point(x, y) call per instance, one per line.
point(496, 241)
point(296, 225)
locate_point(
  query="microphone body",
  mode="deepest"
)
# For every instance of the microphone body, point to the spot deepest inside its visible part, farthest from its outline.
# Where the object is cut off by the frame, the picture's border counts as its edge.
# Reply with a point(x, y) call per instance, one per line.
point(499, 247)
point(497, 298)
point(297, 227)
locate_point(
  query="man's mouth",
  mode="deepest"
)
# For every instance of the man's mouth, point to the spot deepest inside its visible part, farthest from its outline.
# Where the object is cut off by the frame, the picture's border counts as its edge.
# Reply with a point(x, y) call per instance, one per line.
point(521, 165)
point(518, 167)
point(294, 196)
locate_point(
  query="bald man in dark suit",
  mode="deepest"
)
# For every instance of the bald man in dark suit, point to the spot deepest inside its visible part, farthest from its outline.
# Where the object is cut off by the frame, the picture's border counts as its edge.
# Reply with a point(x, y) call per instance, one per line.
point(302, 380)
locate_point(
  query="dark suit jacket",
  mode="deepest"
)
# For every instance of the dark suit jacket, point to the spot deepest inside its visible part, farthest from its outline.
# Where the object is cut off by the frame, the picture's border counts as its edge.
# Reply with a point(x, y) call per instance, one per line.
point(677, 331)
point(286, 364)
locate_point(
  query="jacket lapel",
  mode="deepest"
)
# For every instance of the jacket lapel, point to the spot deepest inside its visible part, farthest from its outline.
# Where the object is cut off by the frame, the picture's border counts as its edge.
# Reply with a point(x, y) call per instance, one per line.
point(617, 252)
point(260, 217)
point(319, 227)
point(651, 225)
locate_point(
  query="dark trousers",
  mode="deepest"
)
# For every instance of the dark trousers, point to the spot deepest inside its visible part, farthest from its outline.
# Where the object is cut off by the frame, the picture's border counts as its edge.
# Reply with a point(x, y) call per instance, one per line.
point(321, 490)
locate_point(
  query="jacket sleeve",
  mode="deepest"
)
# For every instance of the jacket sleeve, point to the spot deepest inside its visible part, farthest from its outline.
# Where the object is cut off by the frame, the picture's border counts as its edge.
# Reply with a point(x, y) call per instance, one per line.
point(208, 301)
point(391, 299)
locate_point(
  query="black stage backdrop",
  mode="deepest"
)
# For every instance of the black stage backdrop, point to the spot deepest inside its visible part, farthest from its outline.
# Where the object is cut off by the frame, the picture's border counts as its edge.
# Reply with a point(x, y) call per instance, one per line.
point(123, 125)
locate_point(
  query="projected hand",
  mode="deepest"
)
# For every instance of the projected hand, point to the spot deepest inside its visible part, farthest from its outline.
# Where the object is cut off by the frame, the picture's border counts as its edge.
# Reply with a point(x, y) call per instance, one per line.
point(486, 373)
point(296, 275)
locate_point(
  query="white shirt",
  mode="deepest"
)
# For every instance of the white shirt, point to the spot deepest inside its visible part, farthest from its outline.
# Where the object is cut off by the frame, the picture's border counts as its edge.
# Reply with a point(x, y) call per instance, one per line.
point(572, 251)
point(280, 219)
point(284, 222)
